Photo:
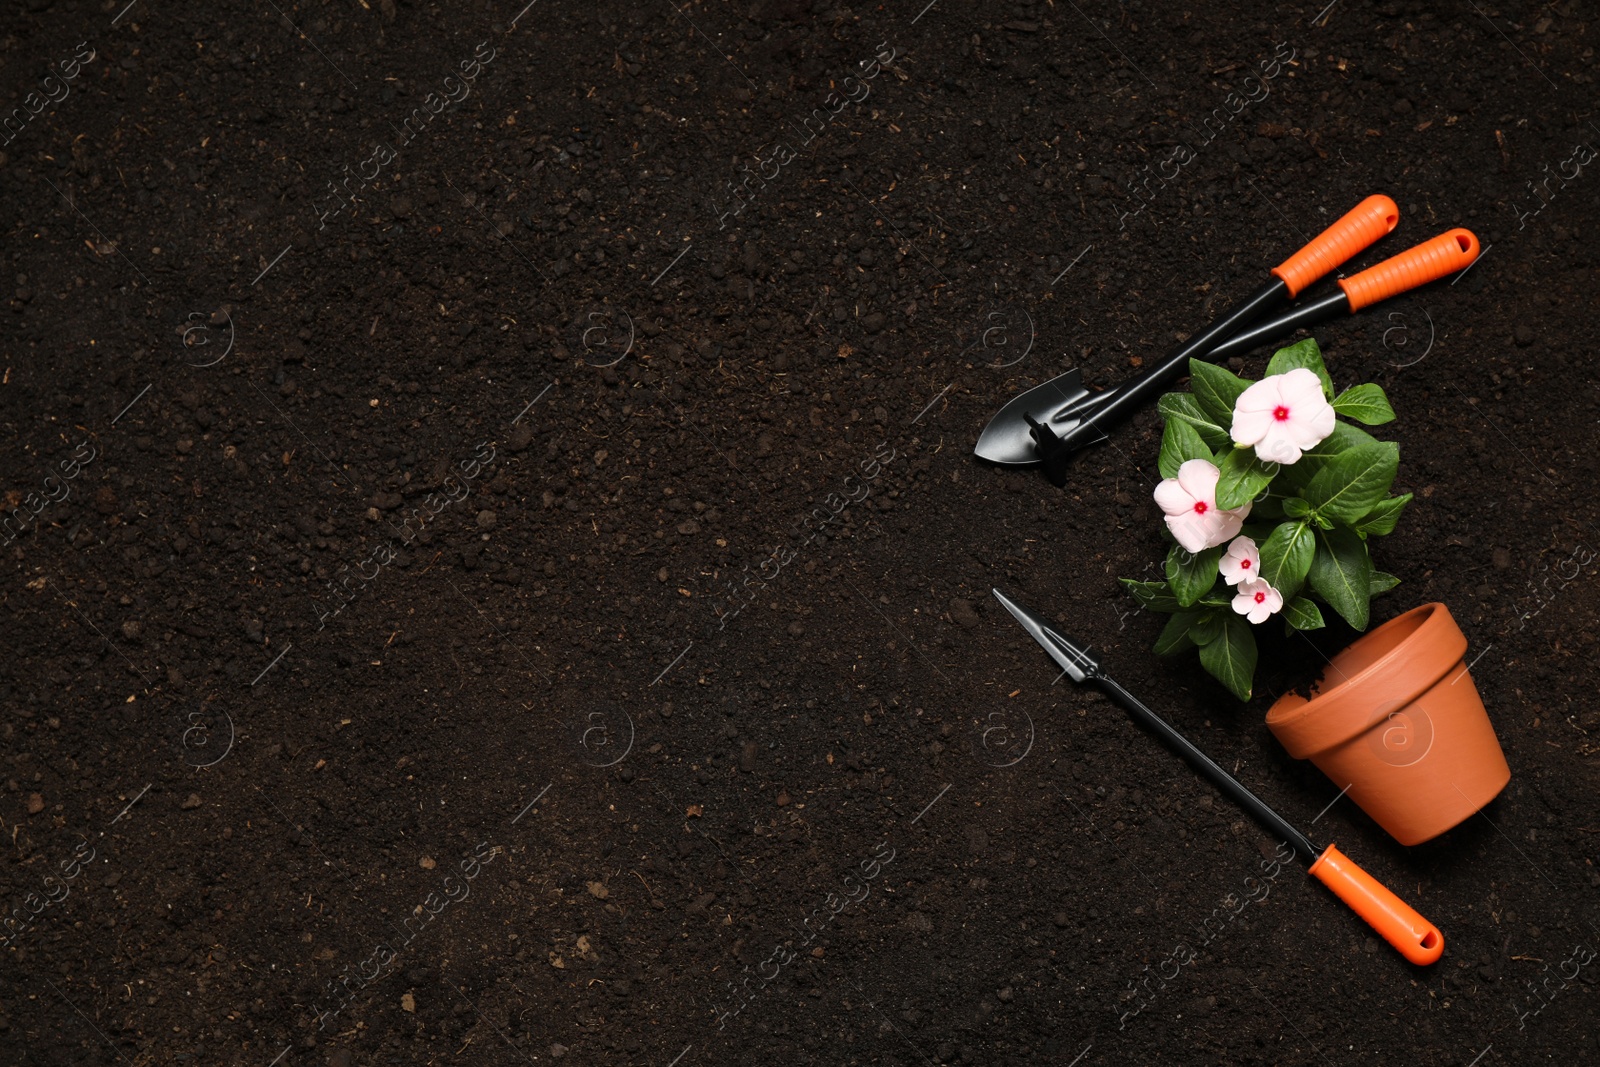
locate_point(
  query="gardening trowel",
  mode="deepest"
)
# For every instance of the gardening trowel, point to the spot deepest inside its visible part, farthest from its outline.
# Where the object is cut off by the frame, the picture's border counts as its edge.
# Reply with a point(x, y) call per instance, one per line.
point(1451, 251)
point(1414, 937)
point(1071, 412)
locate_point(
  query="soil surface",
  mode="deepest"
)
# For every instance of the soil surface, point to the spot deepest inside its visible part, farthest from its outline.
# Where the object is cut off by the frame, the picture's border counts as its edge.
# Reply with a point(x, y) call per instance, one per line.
point(498, 573)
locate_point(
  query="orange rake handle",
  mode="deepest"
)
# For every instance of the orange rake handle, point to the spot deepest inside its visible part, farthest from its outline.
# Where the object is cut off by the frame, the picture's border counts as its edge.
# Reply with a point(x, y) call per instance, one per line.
point(1445, 254)
point(1414, 937)
point(1358, 229)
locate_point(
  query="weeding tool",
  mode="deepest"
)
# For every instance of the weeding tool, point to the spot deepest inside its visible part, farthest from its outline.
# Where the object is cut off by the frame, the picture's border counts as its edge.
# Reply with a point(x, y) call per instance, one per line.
point(1063, 404)
point(1429, 261)
point(1414, 937)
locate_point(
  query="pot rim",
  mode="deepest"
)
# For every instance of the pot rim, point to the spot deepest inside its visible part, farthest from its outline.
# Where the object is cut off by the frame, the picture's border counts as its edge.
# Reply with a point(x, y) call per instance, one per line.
point(1354, 705)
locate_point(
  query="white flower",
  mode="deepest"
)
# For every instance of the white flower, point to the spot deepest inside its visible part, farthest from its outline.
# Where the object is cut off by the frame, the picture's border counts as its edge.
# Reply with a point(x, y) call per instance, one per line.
point(1256, 600)
point(1283, 415)
point(1190, 503)
point(1240, 561)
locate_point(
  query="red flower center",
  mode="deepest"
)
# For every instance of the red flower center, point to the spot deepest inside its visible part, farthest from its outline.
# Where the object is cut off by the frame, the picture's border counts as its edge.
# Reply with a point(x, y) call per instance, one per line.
point(1261, 598)
point(1201, 507)
point(1244, 564)
point(1280, 413)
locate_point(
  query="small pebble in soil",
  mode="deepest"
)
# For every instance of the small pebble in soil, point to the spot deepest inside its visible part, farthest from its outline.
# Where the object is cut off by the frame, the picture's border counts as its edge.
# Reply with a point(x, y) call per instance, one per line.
point(35, 803)
point(190, 802)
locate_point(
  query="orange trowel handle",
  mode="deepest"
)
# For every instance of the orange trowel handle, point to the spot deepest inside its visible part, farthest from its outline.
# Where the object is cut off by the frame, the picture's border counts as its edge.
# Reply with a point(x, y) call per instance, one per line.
point(1356, 230)
point(1414, 937)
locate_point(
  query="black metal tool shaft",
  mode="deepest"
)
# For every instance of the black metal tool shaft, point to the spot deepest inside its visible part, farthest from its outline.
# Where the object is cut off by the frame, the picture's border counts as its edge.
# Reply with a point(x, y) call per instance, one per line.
point(1131, 395)
point(1230, 786)
point(1120, 401)
point(1278, 327)
point(1080, 663)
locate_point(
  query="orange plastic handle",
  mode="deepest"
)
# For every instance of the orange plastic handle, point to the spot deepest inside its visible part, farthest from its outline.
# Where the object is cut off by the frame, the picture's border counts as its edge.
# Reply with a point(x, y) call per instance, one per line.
point(1431, 260)
point(1365, 223)
point(1414, 937)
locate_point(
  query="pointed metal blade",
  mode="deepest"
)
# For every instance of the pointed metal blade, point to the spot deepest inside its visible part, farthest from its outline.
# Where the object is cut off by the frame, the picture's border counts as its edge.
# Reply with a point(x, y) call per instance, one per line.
point(1060, 403)
point(1077, 660)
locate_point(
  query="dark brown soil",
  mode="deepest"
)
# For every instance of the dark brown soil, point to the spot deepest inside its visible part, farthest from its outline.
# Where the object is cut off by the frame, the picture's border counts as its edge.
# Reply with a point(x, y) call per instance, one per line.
point(374, 691)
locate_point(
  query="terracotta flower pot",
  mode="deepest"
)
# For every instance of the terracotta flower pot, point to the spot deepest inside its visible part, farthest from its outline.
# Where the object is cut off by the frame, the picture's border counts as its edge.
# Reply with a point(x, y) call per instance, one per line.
point(1397, 719)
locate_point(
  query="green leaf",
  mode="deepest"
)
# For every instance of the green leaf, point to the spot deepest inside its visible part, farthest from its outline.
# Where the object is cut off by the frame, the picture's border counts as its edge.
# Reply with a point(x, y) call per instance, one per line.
point(1383, 516)
point(1192, 574)
point(1268, 508)
point(1207, 629)
point(1343, 438)
point(1286, 557)
point(1157, 596)
point(1353, 482)
point(1296, 507)
point(1243, 477)
point(1364, 403)
point(1175, 636)
point(1302, 354)
point(1302, 614)
point(1341, 574)
point(1231, 658)
point(1186, 408)
point(1216, 390)
point(1180, 441)
point(1381, 583)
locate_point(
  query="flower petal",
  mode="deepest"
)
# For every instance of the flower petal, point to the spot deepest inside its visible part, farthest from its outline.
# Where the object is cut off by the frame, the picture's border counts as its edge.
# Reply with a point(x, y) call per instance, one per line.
point(1278, 446)
point(1228, 524)
point(1250, 427)
point(1199, 478)
point(1261, 396)
point(1172, 498)
point(1312, 431)
point(1245, 548)
point(1191, 530)
point(1300, 388)
point(1232, 565)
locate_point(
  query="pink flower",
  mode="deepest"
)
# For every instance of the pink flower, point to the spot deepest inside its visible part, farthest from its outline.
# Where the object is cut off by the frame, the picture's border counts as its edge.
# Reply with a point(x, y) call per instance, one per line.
point(1240, 561)
point(1256, 600)
point(1190, 504)
point(1283, 415)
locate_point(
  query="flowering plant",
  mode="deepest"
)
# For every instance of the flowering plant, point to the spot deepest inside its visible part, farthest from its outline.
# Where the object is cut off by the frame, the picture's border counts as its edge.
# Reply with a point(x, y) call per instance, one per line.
point(1270, 500)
